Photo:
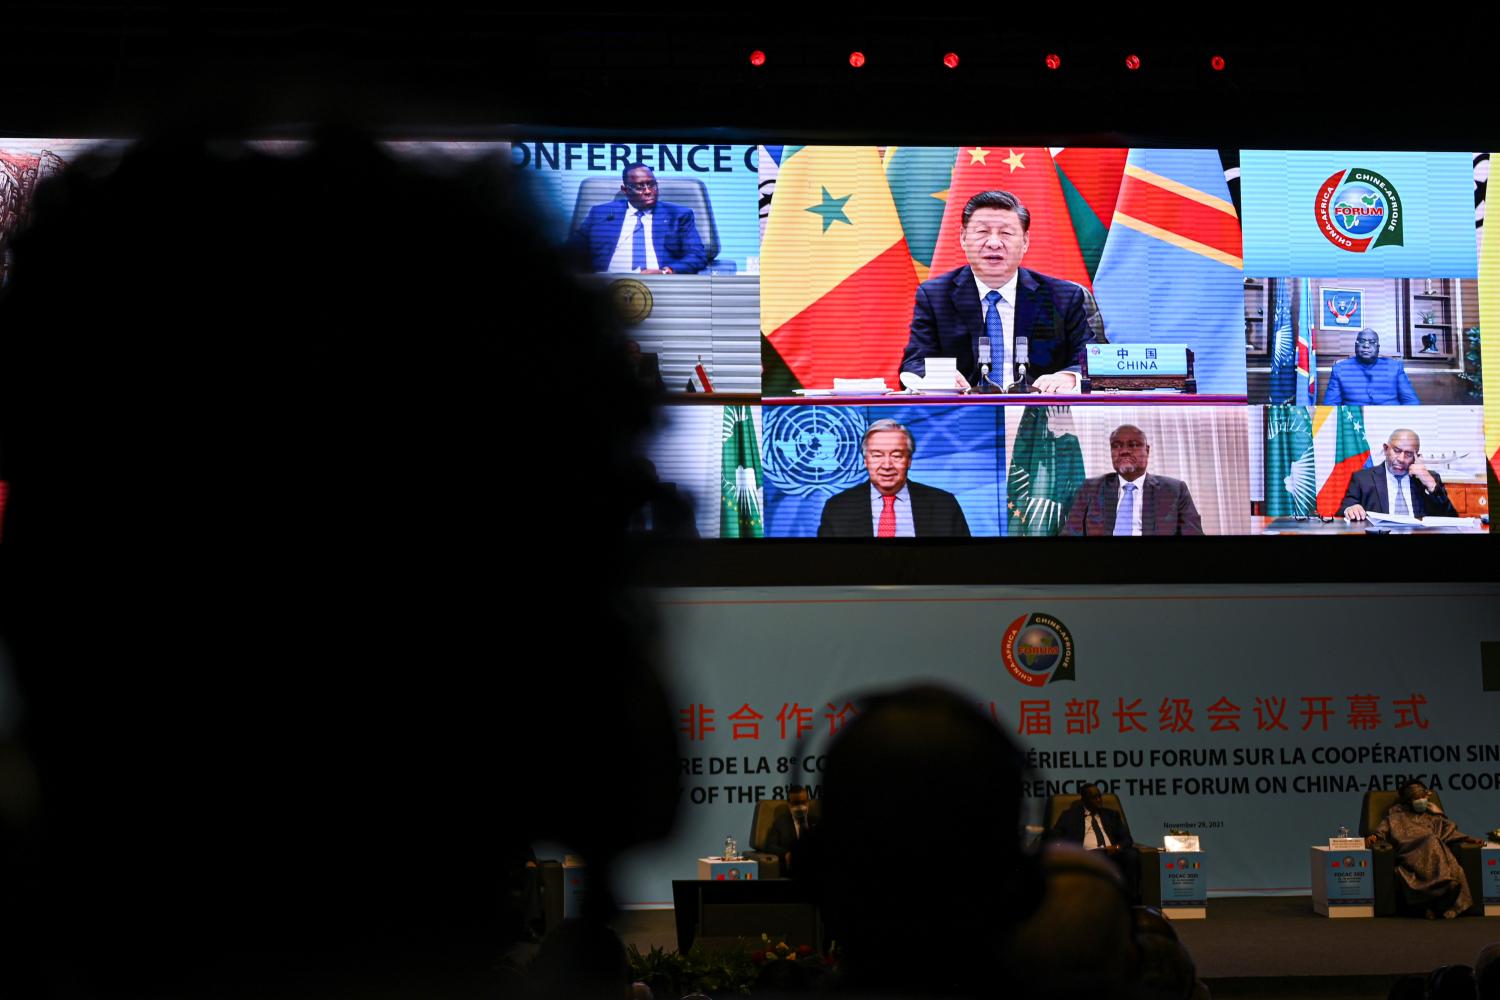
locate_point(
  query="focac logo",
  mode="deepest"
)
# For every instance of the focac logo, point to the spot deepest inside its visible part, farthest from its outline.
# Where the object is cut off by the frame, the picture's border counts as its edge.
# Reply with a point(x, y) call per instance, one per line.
point(1358, 209)
point(1038, 649)
point(814, 449)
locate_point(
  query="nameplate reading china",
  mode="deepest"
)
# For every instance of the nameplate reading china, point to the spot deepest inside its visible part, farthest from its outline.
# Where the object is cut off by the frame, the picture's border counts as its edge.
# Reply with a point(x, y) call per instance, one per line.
point(1138, 367)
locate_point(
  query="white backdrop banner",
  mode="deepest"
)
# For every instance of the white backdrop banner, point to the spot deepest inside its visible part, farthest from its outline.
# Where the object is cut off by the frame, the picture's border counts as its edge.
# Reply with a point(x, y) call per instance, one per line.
point(1256, 717)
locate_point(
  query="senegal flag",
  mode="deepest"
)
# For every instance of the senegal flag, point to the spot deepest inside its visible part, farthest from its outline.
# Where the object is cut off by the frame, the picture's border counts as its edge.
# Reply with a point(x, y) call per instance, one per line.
point(837, 280)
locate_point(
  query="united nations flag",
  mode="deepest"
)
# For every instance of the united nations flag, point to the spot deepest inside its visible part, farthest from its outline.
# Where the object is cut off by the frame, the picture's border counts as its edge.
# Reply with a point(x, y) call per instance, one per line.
point(813, 451)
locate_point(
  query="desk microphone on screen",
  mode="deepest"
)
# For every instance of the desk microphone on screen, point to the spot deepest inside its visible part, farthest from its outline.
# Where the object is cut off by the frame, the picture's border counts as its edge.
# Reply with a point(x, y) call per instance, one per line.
point(1023, 363)
point(985, 383)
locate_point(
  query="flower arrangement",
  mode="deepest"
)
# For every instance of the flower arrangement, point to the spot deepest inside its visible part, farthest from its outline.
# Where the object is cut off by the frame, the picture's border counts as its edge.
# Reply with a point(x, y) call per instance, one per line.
point(740, 968)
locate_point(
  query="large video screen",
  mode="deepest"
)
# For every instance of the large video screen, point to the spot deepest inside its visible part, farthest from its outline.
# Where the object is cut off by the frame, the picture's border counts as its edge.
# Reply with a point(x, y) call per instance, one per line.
point(990, 340)
point(987, 340)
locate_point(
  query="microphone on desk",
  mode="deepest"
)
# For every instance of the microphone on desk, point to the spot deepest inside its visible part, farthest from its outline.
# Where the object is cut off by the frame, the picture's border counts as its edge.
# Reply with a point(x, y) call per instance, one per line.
point(984, 383)
point(1023, 364)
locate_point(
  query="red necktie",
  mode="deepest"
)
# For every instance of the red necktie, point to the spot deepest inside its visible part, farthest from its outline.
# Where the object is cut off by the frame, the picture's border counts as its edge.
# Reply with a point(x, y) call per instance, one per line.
point(887, 528)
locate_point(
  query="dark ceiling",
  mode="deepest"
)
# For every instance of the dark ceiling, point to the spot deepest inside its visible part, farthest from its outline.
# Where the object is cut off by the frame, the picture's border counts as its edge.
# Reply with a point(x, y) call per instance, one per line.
point(110, 69)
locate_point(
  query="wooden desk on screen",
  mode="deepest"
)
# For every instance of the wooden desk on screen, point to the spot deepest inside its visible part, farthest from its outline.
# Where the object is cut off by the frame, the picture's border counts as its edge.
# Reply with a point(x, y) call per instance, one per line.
point(1261, 525)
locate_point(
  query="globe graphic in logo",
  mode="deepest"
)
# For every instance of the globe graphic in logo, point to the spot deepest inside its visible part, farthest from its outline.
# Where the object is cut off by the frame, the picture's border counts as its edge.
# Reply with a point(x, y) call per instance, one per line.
point(813, 449)
point(1359, 210)
point(1038, 648)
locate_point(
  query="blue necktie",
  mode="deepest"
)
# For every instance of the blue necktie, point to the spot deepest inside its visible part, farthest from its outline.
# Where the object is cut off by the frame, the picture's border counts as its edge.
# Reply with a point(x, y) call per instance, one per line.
point(638, 243)
point(996, 332)
point(1400, 505)
point(1125, 516)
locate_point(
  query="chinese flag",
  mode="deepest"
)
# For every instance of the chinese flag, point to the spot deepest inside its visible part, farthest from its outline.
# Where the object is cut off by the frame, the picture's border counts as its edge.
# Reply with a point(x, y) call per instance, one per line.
point(1029, 174)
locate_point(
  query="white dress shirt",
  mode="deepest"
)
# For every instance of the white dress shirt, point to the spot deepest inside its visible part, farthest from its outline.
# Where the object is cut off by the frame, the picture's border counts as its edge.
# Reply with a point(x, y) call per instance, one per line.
point(1002, 356)
point(625, 246)
point(1091, 842)
point(1001, 369)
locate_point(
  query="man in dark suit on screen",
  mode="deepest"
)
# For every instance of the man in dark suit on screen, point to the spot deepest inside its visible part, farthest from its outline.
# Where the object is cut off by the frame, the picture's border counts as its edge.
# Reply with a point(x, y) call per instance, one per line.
point(890, 505)
point(995, 297)
point(1090, 823)
point(636, 232)
point(1130, 502)
point(1400, 485)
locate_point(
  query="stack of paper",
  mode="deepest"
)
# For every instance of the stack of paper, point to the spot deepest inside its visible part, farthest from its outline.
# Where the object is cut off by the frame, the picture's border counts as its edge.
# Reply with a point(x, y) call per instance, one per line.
point(859, 386)
point(1378, 517)
point(942, 376)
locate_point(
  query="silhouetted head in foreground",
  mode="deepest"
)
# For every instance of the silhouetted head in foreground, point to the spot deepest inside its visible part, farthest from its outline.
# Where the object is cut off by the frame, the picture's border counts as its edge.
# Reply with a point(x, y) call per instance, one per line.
point(920, 775)
point(1080, 941)
point(294, 569)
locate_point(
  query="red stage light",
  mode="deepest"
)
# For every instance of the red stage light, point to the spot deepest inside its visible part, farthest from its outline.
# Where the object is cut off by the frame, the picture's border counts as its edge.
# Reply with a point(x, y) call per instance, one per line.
point(757, 58)
point(856, 59)
point(1132, 62)
point(1217, 62)
point(951, 60)
point(1053, 60)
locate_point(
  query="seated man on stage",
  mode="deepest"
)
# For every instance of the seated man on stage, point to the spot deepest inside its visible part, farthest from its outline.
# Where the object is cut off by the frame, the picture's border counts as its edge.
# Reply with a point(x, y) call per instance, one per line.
point(1416, 827)
point(1097, 828)
point(790, 827)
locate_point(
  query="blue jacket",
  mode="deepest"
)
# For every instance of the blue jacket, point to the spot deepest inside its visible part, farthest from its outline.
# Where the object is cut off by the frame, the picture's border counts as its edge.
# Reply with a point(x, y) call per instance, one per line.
point(673, 233)
point(1385, 382)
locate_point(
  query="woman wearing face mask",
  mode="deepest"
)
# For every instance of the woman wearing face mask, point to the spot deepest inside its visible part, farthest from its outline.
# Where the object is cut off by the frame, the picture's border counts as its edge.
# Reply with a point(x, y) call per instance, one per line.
point(1416, 827)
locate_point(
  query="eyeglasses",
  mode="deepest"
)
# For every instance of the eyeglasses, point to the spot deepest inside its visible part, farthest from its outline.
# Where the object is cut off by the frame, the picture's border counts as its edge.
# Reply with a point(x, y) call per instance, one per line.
point(643, 186)
point(984, 233)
